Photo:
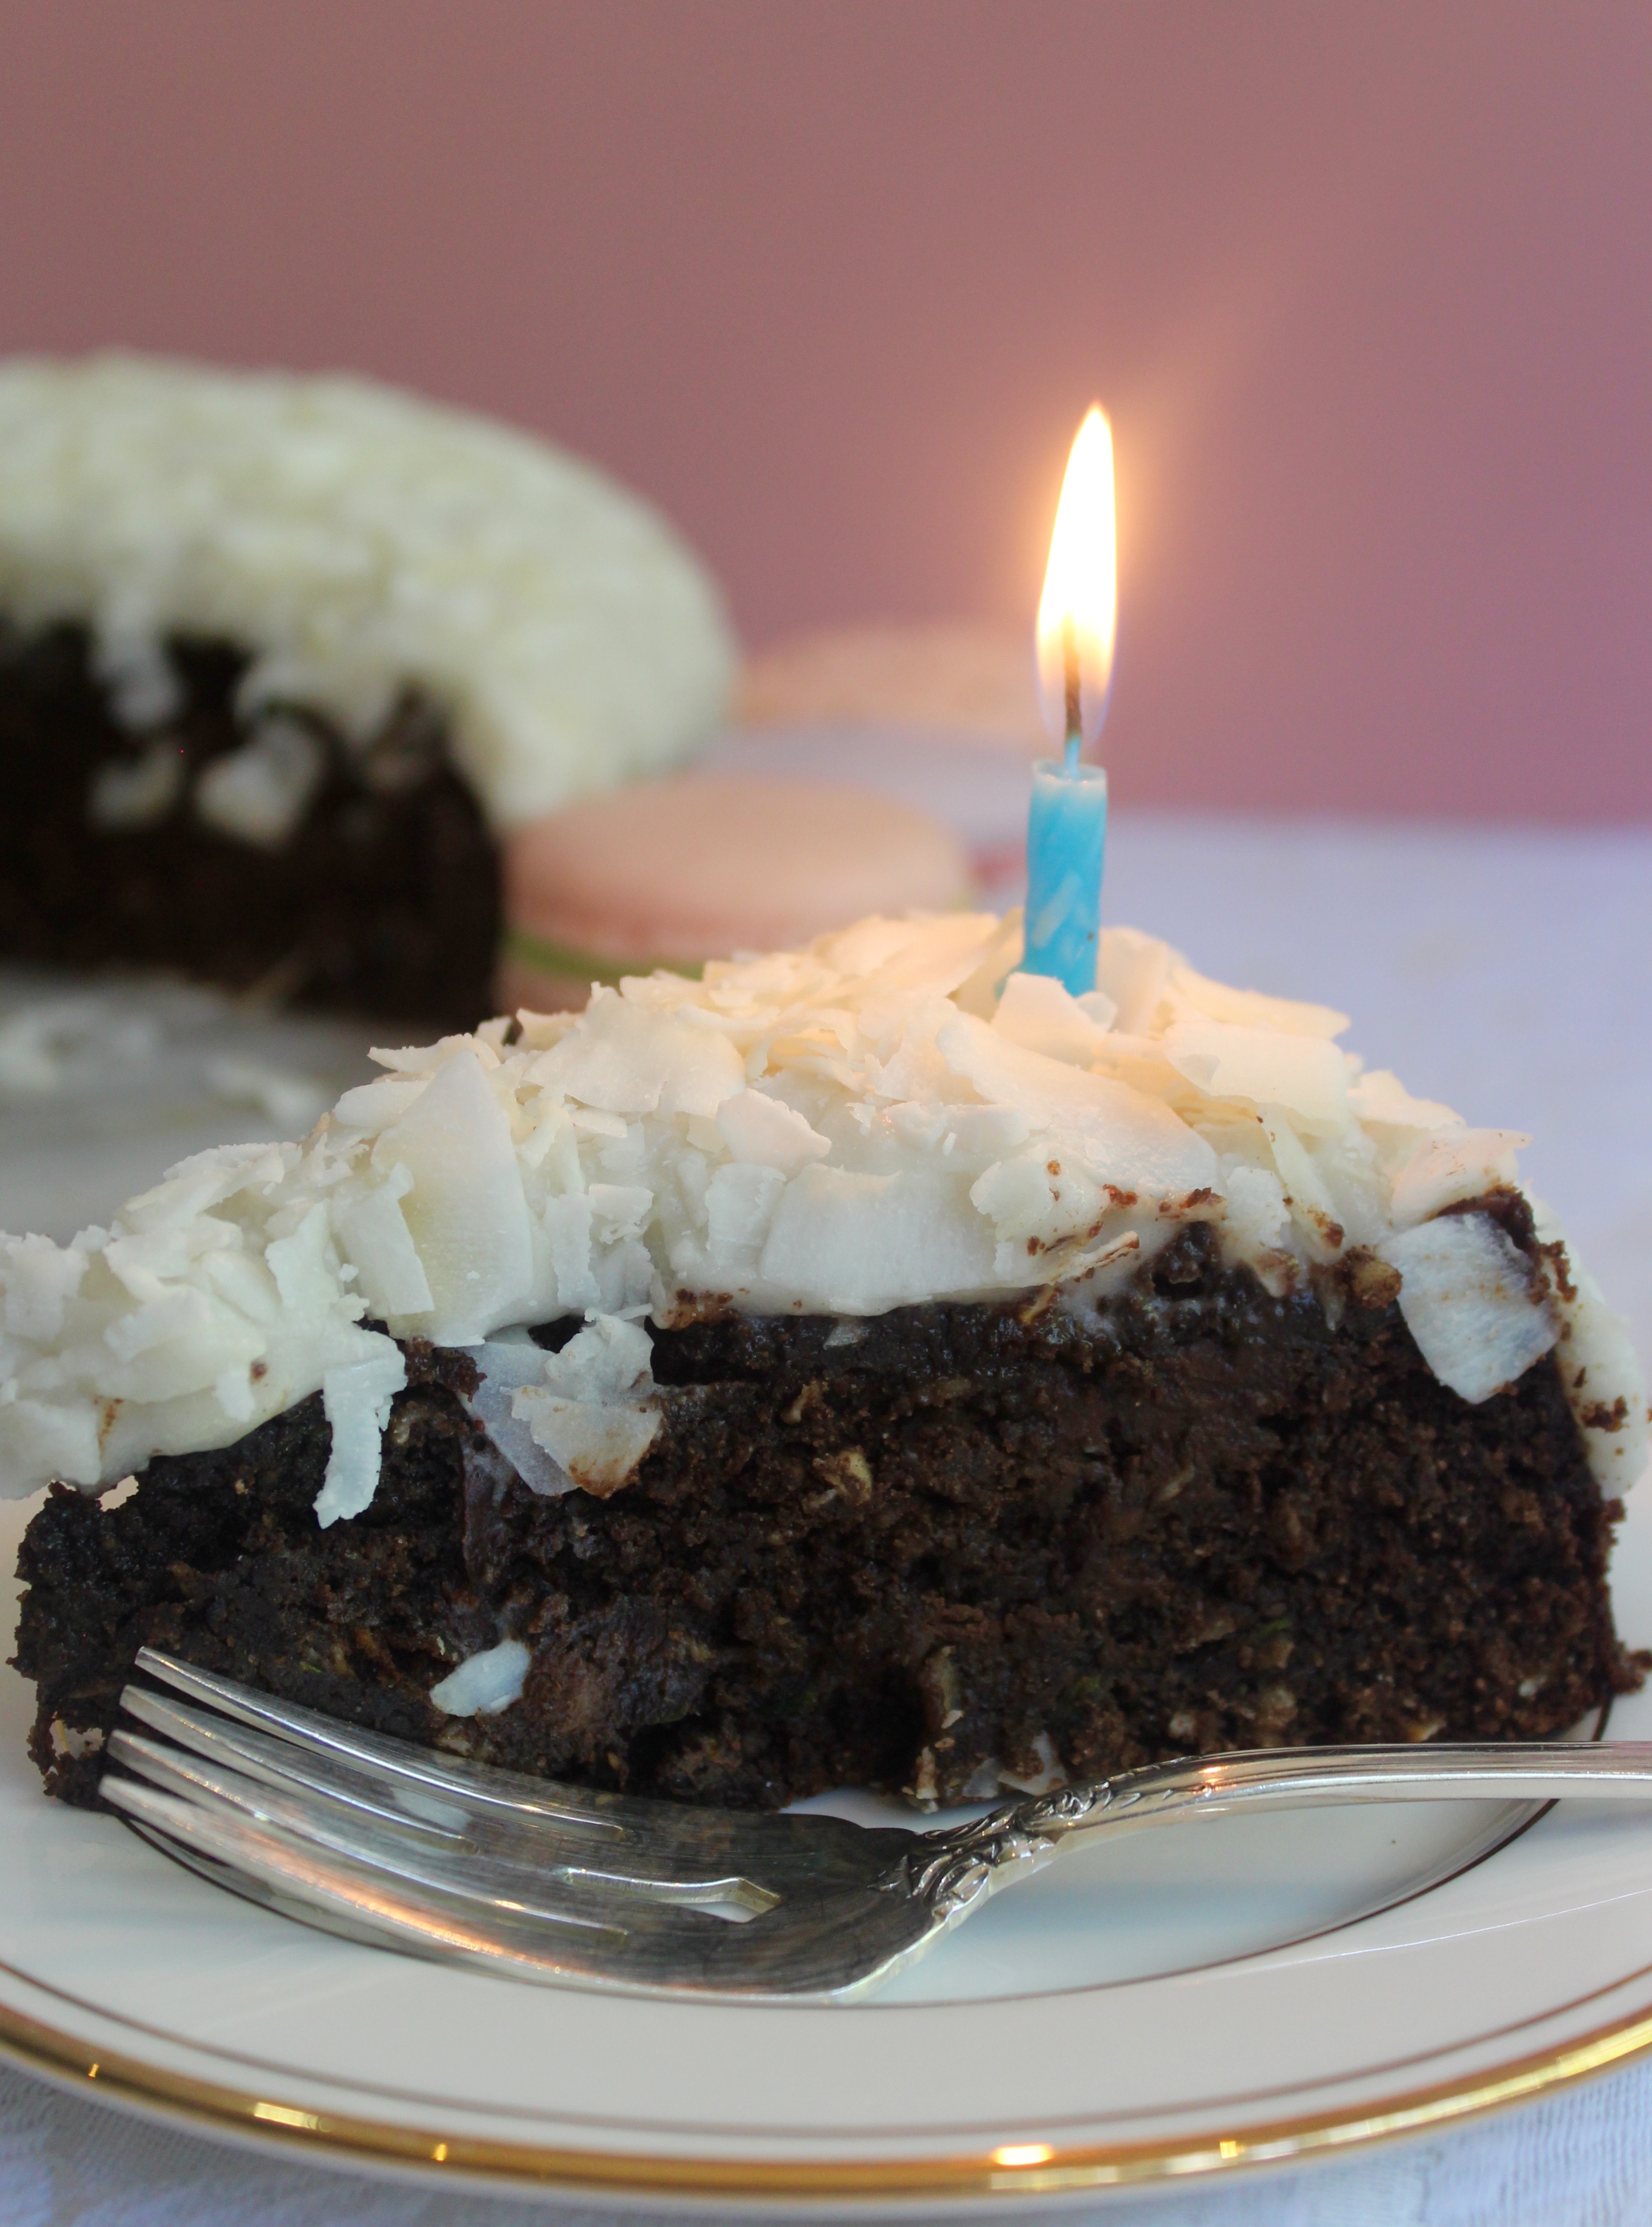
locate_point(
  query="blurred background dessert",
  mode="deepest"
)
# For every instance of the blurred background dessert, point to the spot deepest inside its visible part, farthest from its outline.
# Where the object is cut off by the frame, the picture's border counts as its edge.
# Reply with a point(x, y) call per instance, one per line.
point(942, 717)
point(317, 690)
point(285, 661)
point(671, 873)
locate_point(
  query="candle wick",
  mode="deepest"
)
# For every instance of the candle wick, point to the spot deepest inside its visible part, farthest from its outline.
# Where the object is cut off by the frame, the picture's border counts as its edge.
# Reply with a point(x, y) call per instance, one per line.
point(1075, 710)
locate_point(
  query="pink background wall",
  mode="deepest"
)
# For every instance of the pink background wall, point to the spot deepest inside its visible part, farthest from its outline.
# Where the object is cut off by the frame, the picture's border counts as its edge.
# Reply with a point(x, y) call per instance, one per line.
point(1367, 288)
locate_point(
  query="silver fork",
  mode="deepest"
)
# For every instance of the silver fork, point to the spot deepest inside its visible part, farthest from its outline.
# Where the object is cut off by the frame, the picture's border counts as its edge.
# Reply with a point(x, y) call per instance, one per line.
point(399, 1846)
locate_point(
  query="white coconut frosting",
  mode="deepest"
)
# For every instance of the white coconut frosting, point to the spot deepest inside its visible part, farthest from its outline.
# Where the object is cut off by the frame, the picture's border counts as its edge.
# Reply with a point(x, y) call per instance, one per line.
point(359, 543)
point(893, 1115)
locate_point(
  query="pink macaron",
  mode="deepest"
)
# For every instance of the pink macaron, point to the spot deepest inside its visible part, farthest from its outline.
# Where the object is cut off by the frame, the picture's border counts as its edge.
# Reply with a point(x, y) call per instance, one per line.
point(671, 873)
point(944, 715)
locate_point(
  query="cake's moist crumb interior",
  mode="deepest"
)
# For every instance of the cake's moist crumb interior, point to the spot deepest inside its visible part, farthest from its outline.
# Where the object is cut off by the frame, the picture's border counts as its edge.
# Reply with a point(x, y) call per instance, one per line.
point(383, 900)
point(906, 1553)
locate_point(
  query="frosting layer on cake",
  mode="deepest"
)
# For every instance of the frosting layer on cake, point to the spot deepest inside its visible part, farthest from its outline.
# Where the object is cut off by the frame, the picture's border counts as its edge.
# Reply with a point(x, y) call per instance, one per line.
point(361, 544)
point(891, 1116)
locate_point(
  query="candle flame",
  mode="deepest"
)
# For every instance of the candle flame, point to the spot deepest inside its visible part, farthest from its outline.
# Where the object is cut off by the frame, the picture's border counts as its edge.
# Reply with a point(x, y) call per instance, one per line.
point(1078, 612)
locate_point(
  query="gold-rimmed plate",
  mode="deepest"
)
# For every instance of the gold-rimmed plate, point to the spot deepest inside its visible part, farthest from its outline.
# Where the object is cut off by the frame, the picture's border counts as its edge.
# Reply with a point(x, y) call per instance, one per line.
point(1249, 1990)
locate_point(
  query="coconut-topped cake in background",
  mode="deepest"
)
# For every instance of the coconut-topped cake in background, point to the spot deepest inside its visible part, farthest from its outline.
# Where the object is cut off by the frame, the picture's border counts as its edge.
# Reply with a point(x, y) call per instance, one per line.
point(285, 661)
point(866, 1364)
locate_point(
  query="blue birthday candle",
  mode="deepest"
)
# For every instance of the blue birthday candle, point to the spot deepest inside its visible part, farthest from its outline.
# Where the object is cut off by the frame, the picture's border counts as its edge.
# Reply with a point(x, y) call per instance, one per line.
point(1077, 621)
point(1067, 831)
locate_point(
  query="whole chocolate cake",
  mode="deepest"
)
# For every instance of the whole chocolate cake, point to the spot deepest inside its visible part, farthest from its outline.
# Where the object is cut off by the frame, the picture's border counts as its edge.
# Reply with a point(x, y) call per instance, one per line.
point(867, 1365)
point(284, 662)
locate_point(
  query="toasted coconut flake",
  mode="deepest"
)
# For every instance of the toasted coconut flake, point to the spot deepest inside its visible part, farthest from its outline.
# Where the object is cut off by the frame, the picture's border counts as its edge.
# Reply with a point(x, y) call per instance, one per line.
point(1195, 993)
point(1041, 1014)
point(1306, 1074)
point(357, 1401)
point(485, 1685)
point(1452, 1165)
point(1472, 1301)
point(1131, 971)
point(595, 1411)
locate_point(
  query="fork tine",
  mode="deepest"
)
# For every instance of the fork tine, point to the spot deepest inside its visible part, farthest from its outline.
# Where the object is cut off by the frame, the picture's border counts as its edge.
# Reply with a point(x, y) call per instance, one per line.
point(664, 1842)
point(279, 1764)
point(264, 1847)
point(430, 1857)
point(311, 1820)
point(453, 1875)
point(177, 1771)
point(267, 1897)
point(399, 1759)
point(693, 1867)
point(832, 1946)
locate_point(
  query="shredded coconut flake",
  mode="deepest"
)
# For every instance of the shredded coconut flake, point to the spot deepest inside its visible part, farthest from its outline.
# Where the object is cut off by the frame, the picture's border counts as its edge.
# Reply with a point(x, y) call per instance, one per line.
point(258, 793)
point(485, 1685)
point(594, 1411)
point(504, 1365)
point(1473, 1301)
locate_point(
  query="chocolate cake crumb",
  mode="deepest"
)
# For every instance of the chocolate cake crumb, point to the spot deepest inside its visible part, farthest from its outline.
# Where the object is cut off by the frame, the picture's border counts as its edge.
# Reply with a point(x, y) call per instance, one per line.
point(385, 900)
point(962, 1544)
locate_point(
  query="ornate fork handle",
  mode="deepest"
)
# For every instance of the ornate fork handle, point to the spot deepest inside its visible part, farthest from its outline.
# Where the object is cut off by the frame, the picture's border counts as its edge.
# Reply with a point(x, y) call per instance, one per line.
point(960, 1865)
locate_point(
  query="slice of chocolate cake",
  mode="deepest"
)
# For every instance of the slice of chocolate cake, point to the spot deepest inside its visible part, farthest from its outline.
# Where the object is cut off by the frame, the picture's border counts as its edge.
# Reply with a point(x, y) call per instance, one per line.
point(285, 662)
point(934, 1382)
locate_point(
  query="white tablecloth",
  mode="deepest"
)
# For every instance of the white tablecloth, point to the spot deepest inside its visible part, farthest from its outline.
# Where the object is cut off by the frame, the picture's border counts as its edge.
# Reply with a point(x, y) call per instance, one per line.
point(1509, 973)
point(1583, 2159)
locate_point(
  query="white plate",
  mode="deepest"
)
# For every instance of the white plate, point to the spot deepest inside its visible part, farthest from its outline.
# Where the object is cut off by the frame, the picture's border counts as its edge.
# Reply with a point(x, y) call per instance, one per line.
point(1127, 2016)
point(1123, 2017)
